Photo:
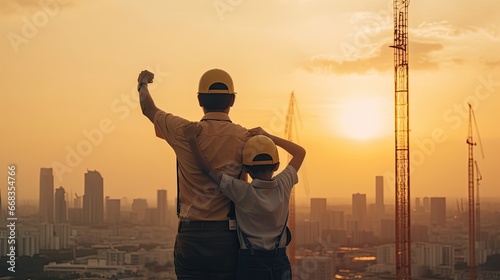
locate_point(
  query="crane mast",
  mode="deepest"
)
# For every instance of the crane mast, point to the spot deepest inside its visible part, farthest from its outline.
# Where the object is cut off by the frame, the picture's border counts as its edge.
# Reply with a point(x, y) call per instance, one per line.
point(402, 147)
point(472, 218)
point(473, 223)
point(291, 218)
point(478, 204)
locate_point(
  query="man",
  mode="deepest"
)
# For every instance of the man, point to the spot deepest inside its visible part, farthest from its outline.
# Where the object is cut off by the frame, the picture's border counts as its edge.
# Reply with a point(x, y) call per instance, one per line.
point(206, 245)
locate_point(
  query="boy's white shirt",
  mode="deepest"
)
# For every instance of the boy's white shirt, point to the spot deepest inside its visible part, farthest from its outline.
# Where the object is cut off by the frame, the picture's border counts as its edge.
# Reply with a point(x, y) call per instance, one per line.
point(261, 206)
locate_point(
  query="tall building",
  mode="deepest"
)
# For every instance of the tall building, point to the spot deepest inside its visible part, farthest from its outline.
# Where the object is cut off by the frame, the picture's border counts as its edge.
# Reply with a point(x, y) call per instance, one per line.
point(387, 233)
point(161, 205)
point(379, 196)
point(46, 197)
point(113, 211)
point(359, 207)
point(93, 199)
point(60, 206)
point(337, 220)
point(438, 211)
point(418, 207)
point(139, 206)
point(426, 204)
point(319, 214)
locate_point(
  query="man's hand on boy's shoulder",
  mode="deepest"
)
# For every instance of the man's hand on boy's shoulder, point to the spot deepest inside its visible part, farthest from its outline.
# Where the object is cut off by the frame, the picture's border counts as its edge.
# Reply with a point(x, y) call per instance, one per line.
point(259, 131)
point(191, 130)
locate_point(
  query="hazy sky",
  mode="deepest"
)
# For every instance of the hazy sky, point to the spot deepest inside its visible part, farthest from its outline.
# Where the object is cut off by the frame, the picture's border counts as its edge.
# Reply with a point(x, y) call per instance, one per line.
point(69, 71)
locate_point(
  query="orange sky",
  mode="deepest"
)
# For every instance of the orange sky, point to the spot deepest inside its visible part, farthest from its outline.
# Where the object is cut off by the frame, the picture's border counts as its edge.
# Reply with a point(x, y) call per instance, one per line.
point(69, 72)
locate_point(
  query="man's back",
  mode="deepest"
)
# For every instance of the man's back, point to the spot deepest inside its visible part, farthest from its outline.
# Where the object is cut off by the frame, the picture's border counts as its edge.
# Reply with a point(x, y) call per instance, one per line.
point(221, 142)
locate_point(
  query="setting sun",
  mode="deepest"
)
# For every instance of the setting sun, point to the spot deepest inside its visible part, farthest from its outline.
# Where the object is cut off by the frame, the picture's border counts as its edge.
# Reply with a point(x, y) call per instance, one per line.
point(363, 119)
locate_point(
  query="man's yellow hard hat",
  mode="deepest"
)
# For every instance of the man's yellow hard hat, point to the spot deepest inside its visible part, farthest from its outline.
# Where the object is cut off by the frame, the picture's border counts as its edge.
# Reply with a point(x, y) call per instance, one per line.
point(216, 81)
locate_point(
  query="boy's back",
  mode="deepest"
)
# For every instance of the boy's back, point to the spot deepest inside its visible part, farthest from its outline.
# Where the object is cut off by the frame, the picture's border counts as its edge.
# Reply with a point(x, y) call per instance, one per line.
point(261, 206)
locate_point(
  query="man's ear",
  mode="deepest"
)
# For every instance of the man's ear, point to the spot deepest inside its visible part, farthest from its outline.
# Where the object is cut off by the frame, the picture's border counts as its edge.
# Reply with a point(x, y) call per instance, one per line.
point(199, 101)
point(232, 100)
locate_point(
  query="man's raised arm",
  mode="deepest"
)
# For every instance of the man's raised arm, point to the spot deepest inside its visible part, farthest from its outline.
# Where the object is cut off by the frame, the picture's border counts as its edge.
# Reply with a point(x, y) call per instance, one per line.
point(148, 106)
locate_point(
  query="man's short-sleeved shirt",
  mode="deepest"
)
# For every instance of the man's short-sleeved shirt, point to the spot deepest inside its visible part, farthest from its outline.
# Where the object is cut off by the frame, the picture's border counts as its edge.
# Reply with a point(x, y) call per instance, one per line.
point(221, 141)
point(261, 206)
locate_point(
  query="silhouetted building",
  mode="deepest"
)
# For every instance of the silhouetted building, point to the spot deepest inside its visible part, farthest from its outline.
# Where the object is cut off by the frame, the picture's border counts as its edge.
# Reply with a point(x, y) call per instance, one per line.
point(77, 202)
point(306, 233)
point(60, 206)
point(93, 199)
point(319, 214)
point(388, 231)
point(75, 216)
point(113, 213)
point(419, 233)
point(379, 196)
point(359, 207)
point(337, 220)
point(161, 205)
point(418, 205)
point(46, 197)
point(152, 216)
point(139, 206)
point(427, 204)
point(438, 211)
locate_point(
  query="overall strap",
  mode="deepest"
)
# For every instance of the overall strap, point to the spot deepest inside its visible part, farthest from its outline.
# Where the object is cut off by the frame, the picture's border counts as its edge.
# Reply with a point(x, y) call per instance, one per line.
point(248, 244)
point(178, 198)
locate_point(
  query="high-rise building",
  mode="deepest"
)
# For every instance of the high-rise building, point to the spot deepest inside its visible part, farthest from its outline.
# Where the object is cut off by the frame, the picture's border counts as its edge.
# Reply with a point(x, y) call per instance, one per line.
point(337, 220)
point(379, 196)
point(418, 207)
point(427, 204)
point(93, 199)
point(161, 205)
point(438, 211)
point(113, 211)
point(387, 232)
point(139, 206)
point(319, 213)
point(46, 197)
point(75, 216)
point(359, 207)
point(60, 206)
point(152, 216)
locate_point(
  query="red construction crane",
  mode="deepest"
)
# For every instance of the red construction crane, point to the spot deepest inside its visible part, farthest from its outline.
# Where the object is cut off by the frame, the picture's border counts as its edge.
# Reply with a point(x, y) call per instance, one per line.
point(402, 139)
point(472, 214)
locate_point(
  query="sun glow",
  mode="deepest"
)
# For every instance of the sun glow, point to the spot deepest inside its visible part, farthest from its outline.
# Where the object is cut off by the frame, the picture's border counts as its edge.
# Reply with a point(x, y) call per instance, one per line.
point(364, 119)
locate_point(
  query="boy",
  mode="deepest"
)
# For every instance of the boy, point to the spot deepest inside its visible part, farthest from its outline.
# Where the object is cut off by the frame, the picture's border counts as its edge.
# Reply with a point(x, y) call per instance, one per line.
point(262, 205)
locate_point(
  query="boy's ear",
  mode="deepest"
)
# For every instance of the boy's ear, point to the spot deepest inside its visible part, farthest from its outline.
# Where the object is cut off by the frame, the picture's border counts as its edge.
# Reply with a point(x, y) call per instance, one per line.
point(277, 165)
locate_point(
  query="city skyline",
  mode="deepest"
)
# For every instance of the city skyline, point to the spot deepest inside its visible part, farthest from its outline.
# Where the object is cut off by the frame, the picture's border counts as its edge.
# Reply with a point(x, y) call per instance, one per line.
point(334, 56)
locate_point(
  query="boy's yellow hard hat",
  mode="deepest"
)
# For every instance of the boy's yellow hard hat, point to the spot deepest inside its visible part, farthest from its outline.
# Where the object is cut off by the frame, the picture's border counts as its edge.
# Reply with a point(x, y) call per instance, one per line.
point(216, 81)
point(260, 150)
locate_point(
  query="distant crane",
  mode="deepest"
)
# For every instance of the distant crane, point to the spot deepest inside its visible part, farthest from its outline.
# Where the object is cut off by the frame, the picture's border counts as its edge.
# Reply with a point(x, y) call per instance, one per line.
point(478, 205)
point(291, 217)
point(402, 139)
point(472, 214)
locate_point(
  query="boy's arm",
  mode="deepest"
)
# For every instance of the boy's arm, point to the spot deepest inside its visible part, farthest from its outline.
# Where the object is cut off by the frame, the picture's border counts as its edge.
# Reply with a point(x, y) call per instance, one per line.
point(298, 153)
point(191, 130)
